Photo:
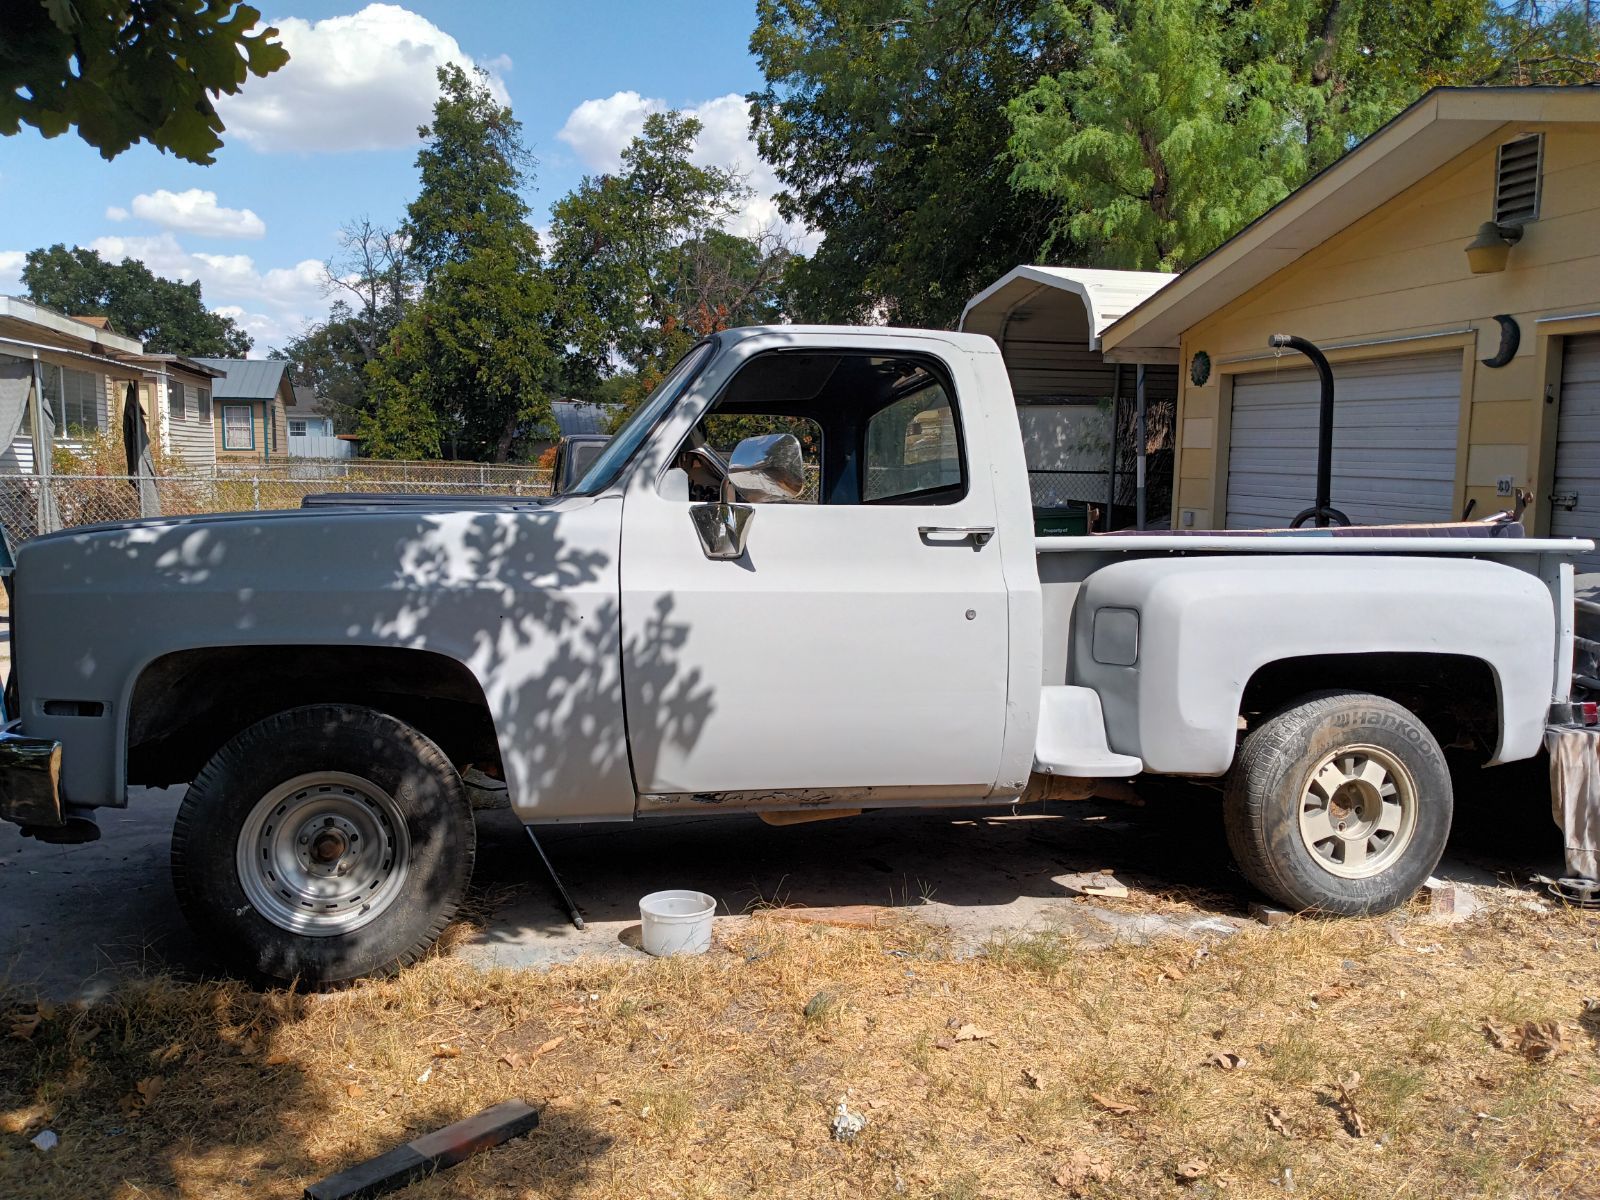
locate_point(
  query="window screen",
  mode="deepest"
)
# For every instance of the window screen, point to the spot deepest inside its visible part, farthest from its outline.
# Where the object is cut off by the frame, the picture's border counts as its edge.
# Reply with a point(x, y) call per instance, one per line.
point(238, 432)
point(74, 398)
point(175, 401)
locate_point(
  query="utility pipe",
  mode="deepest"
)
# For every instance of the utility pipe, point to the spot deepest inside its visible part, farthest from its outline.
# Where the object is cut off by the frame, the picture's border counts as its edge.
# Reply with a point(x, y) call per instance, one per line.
point(1322, 513)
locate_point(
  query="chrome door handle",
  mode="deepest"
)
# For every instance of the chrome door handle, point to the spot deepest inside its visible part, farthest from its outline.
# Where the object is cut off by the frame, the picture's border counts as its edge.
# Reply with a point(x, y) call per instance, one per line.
point(980, 534)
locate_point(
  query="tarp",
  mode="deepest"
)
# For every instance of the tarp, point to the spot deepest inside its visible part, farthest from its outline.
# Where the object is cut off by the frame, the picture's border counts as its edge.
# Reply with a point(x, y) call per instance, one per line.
point(44, 441)
point(1575, 795)
point(16, 377)
point(136, 443)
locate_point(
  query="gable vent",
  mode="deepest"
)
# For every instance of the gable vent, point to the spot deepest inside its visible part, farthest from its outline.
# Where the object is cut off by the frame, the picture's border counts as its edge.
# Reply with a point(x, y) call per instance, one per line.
point(1516, 180)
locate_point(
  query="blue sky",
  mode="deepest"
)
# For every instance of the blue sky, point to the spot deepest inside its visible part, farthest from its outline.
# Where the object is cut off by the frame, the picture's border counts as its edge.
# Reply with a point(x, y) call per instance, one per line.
point(332, 136)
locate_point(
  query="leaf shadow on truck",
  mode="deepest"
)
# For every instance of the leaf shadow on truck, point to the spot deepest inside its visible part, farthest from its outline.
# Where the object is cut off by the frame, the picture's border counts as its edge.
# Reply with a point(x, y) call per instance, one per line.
point(442, 602)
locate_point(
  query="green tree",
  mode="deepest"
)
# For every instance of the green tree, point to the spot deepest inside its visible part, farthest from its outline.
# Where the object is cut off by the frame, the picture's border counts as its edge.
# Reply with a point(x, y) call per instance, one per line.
point(123, 71)
point(1178, 121)
point(1531, 42)
point(886, 122)
point(471, 365)
point(641, 264)
point(168, 316)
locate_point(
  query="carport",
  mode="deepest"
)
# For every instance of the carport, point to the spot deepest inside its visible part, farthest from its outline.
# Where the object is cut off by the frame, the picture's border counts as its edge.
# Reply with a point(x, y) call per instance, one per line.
point(1097, 431)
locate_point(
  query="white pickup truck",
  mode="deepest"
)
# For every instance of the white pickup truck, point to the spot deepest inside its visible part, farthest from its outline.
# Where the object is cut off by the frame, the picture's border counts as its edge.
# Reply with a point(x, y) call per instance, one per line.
point(849, 611)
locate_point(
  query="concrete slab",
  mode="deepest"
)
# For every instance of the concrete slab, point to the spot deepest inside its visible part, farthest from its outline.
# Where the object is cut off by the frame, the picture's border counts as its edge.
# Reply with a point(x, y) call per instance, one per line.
point(982, 874)
point(77, 918)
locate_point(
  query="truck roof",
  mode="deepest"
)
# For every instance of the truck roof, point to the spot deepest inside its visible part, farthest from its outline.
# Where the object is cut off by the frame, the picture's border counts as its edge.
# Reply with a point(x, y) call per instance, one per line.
point(975, 343)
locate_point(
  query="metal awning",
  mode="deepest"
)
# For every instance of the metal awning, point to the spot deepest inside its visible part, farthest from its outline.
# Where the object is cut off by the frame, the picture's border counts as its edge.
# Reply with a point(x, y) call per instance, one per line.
point(1081, 302)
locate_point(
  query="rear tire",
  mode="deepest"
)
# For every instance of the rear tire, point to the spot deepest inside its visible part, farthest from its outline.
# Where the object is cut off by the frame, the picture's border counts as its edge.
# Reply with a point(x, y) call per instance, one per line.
point(323, 844)
point(1340, 803)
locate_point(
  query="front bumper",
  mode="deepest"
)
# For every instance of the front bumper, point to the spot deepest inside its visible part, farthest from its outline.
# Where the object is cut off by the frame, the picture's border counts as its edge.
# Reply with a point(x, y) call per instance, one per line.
point(30, 780)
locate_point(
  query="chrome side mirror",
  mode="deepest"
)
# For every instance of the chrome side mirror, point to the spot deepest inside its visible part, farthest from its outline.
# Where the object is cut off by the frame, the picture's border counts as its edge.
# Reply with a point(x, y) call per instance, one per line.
point(767, 468)
point(722, 527)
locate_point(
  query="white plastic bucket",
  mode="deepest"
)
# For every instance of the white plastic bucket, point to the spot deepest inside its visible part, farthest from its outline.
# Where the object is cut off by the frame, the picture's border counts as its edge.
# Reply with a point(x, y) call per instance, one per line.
point(676, 922)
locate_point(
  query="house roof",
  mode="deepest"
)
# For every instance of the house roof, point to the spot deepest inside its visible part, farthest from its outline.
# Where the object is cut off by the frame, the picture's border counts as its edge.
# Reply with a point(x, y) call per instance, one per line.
point(1445, 123)
point(36, 323)
point(193, 365)
point(307, 403)
point(579, 416)
point(247, 378)
point(1103, 295)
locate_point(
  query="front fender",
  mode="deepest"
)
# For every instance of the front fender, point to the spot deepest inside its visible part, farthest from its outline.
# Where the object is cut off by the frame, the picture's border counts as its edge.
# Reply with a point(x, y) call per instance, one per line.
point(525, 598)
point(1207, 625)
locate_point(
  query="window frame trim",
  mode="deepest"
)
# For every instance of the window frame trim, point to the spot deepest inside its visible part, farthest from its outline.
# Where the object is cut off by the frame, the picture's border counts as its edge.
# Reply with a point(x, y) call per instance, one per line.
point(250, 418)
point(937, 366)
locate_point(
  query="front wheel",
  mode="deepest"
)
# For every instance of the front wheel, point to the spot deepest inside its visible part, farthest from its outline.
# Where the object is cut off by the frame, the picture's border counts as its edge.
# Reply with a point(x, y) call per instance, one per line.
point(323, 844)
point(1340, 803)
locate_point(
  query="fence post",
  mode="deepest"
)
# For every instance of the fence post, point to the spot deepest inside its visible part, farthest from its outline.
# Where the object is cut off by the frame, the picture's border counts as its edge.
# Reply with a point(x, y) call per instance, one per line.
point(255, 492)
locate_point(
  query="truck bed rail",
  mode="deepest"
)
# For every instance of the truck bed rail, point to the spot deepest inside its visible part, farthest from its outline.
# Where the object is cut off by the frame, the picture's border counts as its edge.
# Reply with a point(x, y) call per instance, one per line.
point(1308, 543)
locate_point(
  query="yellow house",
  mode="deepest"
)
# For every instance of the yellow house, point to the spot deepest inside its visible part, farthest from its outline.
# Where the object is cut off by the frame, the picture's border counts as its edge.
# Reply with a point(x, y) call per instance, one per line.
point(1449, 267)
point(250, 403)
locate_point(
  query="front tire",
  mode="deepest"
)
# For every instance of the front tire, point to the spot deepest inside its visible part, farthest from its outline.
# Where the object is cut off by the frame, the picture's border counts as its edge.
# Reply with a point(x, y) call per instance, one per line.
point(323, 844)
point(1340, 803)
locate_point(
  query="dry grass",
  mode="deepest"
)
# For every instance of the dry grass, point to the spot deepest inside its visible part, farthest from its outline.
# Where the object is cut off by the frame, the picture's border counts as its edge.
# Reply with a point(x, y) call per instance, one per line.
point(706, 1077)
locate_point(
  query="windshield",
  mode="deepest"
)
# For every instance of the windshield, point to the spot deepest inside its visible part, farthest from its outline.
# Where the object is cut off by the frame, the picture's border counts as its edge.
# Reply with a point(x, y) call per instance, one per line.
point(637, 427)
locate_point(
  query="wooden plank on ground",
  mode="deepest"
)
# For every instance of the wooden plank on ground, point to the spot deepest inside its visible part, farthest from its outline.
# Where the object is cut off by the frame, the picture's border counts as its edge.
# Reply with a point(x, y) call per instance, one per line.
point(427, 1154)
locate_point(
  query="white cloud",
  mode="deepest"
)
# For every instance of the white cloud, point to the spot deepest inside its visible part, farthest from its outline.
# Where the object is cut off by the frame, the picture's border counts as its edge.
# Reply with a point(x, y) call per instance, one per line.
point(359, 82)
point(11, 264)
point(115, 212)
point(193, 211)
point(599, 130)
point(273, 305)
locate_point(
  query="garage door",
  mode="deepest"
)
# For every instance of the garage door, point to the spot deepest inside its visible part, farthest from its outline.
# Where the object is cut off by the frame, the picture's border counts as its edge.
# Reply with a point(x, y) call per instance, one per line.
point(1395, 426)
point(1577, 481)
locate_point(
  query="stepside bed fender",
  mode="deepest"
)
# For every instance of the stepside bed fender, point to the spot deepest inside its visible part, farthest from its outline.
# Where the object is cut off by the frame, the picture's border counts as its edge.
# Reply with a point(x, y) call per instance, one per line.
point(1170, 643)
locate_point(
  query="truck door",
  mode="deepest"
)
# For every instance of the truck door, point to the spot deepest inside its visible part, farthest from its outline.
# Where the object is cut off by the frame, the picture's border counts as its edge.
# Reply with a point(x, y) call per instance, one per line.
point(858, 648)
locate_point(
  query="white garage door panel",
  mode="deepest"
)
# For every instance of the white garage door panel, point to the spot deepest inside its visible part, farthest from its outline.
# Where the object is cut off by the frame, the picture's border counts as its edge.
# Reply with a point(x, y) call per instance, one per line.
point(1395, 427)
point(1578, 446)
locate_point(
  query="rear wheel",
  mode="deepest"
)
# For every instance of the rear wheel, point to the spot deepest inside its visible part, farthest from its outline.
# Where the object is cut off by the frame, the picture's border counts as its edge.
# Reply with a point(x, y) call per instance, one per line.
point(323, 844)
point(1340, 803)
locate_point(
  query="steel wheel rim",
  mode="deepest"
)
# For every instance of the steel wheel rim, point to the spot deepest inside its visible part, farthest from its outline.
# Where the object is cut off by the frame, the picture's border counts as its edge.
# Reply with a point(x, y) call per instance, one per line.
point(323, 853)
point(1358, 811)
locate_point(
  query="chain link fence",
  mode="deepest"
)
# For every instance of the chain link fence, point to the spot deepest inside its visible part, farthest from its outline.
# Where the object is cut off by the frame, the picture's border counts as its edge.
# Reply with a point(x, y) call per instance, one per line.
point(89, 499)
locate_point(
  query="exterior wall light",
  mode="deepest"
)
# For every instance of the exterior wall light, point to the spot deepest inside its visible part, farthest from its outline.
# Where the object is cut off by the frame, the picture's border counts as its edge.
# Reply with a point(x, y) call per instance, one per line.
point(1489, 251)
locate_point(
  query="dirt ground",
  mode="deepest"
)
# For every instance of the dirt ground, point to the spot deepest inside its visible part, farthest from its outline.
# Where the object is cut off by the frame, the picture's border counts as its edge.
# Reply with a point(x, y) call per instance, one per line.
point(997, 1036)
point(1389, 1057)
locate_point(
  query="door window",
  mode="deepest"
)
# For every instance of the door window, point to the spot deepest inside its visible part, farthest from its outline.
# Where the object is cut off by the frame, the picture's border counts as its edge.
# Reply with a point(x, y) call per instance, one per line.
point(872, 428)
point(913, 453)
